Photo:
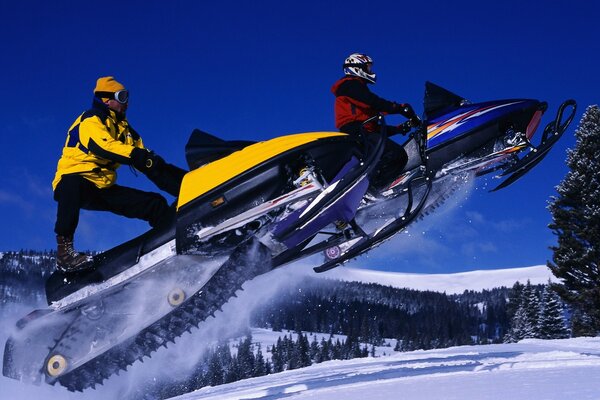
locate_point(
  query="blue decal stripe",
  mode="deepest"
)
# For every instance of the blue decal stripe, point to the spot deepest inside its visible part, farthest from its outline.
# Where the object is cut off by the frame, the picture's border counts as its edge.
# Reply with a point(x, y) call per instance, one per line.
point(74, 140)
point(73, 137)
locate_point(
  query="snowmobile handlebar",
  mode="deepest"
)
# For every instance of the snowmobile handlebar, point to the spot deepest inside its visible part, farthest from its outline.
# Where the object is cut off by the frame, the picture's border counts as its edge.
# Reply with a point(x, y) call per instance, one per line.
point(407, 126)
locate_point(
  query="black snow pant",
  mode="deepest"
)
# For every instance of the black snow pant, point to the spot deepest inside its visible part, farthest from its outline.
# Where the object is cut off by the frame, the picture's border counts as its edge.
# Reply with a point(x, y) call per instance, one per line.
point(74, 192)
point(393, 160)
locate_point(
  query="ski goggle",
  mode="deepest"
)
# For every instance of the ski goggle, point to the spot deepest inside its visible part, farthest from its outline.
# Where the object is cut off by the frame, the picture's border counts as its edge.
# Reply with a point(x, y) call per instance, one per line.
point(122, 96)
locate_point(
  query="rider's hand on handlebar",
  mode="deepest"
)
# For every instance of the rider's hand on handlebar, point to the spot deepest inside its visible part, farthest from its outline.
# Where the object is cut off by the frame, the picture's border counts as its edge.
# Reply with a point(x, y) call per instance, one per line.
point(415, 121)
point(145, 160)
point(406, 110)
point(403, 128)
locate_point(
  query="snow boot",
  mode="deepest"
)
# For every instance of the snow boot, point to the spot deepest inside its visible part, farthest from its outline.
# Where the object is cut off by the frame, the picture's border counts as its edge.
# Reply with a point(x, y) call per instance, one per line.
point(67, 259)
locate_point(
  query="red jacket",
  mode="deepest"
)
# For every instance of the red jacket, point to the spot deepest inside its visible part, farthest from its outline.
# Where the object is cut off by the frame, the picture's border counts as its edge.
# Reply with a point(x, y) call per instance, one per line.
point(355, 103)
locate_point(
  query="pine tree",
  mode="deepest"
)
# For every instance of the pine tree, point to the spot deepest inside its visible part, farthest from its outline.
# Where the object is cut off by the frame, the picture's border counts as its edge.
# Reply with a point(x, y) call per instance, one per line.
point(521, 327)
point(576, 223)
point(551, 320)
point(245, 357)
point(293, 357)
point(303, 349)
point(215, 373)
point(314, 350)
point(336, 350)
point(514, 299)
point(233, 371)
point(531, 304)
point(364, 352)
point(277, 356)
point(325, 353)
point(524, 324)
point(259, 363)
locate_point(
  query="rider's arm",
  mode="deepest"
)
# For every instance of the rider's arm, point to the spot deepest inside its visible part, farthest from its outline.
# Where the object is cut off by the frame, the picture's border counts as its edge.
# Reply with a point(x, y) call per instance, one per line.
point(94, 135)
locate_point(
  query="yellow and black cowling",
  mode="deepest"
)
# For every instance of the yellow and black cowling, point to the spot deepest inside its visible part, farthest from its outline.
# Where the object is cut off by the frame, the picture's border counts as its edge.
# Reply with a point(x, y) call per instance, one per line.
point(257, 173)
point(234, 177)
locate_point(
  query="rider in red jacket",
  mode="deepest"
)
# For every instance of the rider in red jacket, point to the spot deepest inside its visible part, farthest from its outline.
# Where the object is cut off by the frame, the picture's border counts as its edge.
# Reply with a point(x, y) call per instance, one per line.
point(355, 103)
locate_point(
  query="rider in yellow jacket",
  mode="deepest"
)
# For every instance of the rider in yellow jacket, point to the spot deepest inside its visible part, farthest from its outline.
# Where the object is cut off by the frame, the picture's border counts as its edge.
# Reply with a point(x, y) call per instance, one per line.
point(98, 142)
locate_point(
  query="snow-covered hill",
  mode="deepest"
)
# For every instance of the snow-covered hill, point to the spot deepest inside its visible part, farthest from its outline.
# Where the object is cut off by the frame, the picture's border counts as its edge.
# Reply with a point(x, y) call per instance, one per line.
point(532, 369)
point(470, 369)
point(449, 283)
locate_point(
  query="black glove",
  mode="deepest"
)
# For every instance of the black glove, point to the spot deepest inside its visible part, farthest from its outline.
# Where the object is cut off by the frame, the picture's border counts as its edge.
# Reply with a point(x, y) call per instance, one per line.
point(146, 161)
point(415, 121)
point(407, 111)
point(165, 176)
point(403, 128)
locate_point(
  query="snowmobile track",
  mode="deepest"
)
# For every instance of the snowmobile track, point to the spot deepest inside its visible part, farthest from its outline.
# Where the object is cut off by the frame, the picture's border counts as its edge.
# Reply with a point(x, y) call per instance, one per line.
point(217, 292)
point(430, 209)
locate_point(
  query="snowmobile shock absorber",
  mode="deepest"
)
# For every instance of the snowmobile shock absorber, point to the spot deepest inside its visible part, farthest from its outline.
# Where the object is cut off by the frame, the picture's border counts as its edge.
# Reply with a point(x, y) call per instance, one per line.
point(306, 177)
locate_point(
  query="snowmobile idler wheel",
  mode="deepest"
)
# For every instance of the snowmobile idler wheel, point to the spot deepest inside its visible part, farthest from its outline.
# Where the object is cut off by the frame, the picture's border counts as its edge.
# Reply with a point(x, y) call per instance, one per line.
point(56, 365)
point(333, 252)
point(176, 297)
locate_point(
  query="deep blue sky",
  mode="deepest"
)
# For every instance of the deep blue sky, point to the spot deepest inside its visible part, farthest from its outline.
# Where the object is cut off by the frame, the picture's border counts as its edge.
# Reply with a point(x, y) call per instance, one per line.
point(256, 70)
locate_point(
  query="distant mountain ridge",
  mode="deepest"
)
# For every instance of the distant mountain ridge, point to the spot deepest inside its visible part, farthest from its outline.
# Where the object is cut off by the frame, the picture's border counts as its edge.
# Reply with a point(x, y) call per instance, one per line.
point(454, 283)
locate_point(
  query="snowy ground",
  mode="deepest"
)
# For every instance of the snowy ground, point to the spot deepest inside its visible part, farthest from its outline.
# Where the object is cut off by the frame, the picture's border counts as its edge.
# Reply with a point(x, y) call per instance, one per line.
point(532, 369)
point(529, 370)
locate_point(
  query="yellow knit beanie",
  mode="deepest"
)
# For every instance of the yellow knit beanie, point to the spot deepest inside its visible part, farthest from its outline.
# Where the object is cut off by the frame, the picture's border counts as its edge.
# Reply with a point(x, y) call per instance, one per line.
point(108, 84)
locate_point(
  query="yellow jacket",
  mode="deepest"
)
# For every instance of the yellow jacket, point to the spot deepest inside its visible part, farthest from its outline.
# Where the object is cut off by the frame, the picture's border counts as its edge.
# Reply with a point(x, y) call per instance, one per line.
point(98, 142)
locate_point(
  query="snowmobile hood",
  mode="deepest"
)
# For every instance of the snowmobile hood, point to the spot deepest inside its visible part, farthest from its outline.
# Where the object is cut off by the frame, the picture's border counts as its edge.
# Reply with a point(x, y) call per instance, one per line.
point(209, 176)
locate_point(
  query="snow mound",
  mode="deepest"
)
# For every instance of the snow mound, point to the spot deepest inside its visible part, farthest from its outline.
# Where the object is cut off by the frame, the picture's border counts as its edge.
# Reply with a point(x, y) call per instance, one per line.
point(531, 369)
point(449, 283)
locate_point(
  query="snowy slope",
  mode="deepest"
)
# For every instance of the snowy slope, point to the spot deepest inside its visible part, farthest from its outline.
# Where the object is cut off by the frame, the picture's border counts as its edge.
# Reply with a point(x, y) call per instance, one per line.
point(531, 369)
point(449, 283)
point(379, 373)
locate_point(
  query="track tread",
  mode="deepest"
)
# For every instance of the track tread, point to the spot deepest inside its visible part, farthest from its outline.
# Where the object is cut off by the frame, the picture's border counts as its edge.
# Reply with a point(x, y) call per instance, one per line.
point(218, 291)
